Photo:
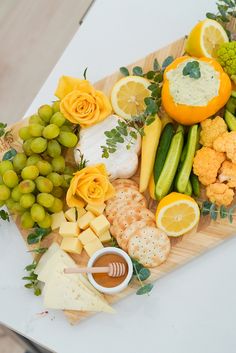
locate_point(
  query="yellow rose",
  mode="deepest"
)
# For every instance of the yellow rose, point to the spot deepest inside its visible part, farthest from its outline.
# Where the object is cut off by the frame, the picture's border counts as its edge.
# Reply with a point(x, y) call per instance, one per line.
point(91, 184)
point(81, 103)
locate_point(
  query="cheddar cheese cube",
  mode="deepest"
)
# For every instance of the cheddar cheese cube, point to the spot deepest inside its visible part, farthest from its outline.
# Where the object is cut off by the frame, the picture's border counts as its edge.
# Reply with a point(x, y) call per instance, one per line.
point(72, 245)
point(69, 229)
point(83, 222)
point(93, 246)
point(80, 212)
point(100, 225)
point(105, 237)
point(57, 219)
point(71, 215)
point(96, 209)
point(87, 236)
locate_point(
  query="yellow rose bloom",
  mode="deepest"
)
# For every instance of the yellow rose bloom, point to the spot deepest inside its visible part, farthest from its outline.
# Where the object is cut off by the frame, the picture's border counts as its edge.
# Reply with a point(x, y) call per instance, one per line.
point(90, 184)
point(81, 103)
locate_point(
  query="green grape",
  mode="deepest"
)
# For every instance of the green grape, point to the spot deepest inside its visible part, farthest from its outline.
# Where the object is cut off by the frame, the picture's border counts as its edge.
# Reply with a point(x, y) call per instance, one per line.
point(56, 106)
point(66, 180)
point(27, 200)
point(4, 193)
point(69, 170)
point(10, 204)
point(57, 191)
point(27, 147)
point(26, 220)
point(1, 180)
point(45, 112)
point(19, 161)
point(43, 184)
point(36, 130)
point(51, 131)
point(66, 128)
point(67, 139)
point(58, 119)
point(54, 148)
point(38, 145)
point(45, 199)
point(37, 212)
point(10, 178)
point(33, 160)
point(55, 178)
point(24, 133)
point(26, 186)
point(31, 172)
point(44, 167)
point(4, 166)
point(58, 164)
point(2, 203)
point(47, 222)
point(57, 206)
point(17, 208)
point(35, 119)
point(16, 194)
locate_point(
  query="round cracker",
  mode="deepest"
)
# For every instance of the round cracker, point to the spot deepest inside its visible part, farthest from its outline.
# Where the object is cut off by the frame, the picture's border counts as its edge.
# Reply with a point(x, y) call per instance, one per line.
point(150, 246)
point(124, 182)
point(127, 194)
point(128, 216)
point(114, 210)
point(124, 237)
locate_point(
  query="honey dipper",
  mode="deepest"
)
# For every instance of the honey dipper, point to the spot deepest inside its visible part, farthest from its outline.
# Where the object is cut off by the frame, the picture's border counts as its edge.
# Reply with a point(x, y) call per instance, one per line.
point(114, 269)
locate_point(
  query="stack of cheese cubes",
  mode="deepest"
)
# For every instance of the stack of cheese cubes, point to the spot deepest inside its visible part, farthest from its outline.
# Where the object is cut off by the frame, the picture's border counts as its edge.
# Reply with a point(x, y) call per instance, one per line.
point(82, 229)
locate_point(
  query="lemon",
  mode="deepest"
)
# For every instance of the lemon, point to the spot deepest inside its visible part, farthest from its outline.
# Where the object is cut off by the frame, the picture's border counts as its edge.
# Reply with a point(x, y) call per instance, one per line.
point(128, 94)
point(205, 39)
point(177, 214)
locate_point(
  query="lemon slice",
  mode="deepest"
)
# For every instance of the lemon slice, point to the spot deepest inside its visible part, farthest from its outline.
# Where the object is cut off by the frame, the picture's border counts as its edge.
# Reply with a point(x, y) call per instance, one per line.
point(128, 94)
point(177, 214)
point(205, 39)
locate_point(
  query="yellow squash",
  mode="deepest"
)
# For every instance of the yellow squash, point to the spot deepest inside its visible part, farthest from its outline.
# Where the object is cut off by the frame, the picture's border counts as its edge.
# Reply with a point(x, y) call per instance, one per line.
point(151, 187)
point(149, 146)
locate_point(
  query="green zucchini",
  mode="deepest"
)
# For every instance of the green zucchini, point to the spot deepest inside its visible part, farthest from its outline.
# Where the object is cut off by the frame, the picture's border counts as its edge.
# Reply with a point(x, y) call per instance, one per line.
point(230, 120)
point(185, 170)
point(189, 189)
point(195, 184)
point(233, 94)
point(231, 105)
point(167, 175)
point(162, 150)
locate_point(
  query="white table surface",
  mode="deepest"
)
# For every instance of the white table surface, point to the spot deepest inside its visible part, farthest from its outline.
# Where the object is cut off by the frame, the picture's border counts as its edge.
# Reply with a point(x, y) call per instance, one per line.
point(191, 310)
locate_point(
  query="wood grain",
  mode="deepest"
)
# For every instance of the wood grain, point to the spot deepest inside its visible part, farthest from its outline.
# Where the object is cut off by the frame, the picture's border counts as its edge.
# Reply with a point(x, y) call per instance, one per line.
point(208, 234)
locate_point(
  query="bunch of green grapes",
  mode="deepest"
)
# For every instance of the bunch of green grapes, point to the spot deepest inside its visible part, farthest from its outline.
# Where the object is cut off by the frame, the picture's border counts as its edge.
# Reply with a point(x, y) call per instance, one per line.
point(33, 184)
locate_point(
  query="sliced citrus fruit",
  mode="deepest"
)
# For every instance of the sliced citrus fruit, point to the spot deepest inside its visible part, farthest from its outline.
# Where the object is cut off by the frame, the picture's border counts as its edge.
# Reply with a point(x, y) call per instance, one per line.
point(177, 214)
point(205, 39)
point(128, 94)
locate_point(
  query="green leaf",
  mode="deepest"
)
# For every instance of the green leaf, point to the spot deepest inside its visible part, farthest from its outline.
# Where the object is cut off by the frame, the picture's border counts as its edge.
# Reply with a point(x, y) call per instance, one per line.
point(133, 134)
point(39, 250)
point(137, 71)
point(192, 69)
point(152, 107)
point(231, 213)
point(205, 209)
point(145, 289)
point(3, 125)
point(29, 285)
point(150, 75)
point(9, 154)
point(211, 16)
point(37, 291)
point(223, 211)
point(159, 77)
point(150, 120)
point(152, 87)
point(32, 277)
point(213, 212)
point(37, 235)
point(156, 65)
point(31, 267)
point(136, 266)
point(124, 71)
point(144, 273)
point(167, 61)
point(85, 73)
point(4, 215)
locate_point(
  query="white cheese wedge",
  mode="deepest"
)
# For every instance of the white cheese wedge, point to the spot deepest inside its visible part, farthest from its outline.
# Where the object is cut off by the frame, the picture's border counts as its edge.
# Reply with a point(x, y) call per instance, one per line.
point(91, 140)
point(47, 256)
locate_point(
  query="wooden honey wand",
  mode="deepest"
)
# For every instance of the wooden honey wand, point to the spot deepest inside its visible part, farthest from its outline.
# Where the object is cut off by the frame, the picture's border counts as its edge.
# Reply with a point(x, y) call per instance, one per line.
point(114, 269)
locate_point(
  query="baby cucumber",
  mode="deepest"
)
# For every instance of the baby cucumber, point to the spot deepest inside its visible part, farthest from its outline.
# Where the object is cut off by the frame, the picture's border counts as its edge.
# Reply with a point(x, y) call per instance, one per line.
point(167, 175)
point(162, 150)
point(186, 167)
point(195, 184)
point(230, 120)
point(189, 189)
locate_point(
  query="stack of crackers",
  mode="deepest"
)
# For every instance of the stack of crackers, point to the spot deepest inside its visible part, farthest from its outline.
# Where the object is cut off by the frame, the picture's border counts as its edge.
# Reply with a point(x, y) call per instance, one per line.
point(133, 225)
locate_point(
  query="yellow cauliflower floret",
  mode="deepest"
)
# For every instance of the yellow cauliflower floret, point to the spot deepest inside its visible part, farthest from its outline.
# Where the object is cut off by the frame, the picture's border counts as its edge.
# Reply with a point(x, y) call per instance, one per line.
point(220, 194)
point(211, 129)
point(228, 173)
point(206, 164)
point(227, 143)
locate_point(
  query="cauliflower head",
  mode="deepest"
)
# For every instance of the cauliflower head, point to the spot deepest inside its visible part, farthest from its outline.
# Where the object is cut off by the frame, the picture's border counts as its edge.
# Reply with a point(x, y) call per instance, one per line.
point(206, 164)
point(227, 174)
point(226, 55)
point(226, 143)
point(211, 129)
point(220, 194)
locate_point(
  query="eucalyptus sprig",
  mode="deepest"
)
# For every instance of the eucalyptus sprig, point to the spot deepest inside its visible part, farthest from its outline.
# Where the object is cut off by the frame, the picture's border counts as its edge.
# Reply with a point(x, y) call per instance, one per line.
point(211, 209)
point(141, 273)
point(127, 130)
point(37, 235)
point(192, 69)
point(32, 279)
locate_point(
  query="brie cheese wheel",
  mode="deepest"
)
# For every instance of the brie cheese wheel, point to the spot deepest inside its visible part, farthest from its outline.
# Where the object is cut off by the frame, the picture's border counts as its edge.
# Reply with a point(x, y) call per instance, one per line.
point(121, 164)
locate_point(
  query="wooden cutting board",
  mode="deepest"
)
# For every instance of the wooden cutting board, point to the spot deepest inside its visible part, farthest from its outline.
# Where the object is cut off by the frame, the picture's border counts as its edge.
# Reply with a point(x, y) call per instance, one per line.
point(209, 233)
